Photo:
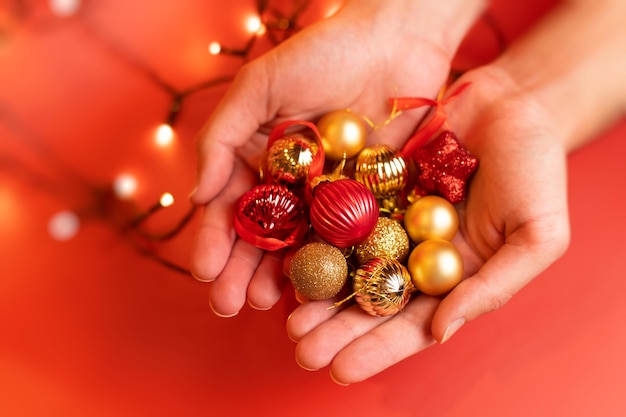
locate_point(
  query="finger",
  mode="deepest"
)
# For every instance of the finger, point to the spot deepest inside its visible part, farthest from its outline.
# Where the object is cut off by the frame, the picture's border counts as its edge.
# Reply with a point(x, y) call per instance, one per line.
point(301, 298)
point(240, 113)
point(215, 235)
point(318, 348)
point(308, 316)
point(268, 282)
point(407, 333)
point(311, 314)
point(516, 263)
point(213, 242)
point(228, 292)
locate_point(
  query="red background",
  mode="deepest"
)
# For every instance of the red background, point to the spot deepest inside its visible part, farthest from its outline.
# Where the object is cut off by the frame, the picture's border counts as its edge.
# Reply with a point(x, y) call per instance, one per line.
point(91, 327)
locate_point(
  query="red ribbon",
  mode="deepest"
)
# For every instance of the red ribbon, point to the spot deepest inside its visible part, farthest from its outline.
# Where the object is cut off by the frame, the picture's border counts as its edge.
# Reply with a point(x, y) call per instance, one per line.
point(247, 230)
point(436, 121)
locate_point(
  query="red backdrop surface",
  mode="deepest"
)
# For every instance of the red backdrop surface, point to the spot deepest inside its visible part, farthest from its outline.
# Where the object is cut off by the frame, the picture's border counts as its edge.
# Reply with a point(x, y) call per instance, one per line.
point(89, 326)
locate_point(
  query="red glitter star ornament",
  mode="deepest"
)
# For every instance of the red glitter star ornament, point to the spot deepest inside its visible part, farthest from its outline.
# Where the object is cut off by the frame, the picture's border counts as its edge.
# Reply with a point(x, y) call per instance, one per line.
point(443, 168)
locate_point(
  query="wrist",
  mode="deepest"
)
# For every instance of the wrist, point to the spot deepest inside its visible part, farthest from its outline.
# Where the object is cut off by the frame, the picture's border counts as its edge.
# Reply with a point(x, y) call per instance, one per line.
point(571, 65)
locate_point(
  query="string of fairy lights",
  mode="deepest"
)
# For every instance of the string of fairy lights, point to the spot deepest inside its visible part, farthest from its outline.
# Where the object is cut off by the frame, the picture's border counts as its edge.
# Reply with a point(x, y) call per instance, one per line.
point(113, 203)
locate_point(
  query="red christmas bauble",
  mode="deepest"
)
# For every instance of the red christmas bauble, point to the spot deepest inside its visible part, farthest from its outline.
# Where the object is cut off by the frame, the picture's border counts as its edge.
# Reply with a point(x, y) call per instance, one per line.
point(343, 212)
point(270, 217)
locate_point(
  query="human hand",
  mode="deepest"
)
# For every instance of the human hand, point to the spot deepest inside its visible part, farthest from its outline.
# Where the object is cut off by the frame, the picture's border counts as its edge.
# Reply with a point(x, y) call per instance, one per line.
point(551, 91)
point(513, 224)
point(369, 51)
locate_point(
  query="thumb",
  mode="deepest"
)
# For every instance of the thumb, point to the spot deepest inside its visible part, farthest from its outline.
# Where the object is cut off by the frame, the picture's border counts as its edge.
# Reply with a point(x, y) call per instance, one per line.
point(514, 265)
point(235, 120)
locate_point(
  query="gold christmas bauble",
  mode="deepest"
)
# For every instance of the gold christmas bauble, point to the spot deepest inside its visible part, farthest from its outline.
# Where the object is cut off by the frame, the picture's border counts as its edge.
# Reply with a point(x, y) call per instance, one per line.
point(343, 133)
point(382, 170)
point(431, 217)
point(318, 271)
point(382, 286)
point(436, 266)
point(288, 159)
point(388, 240)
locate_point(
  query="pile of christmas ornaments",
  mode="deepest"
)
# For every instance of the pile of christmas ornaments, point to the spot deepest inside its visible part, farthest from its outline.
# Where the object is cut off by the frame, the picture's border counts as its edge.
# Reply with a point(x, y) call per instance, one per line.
point(367, 219)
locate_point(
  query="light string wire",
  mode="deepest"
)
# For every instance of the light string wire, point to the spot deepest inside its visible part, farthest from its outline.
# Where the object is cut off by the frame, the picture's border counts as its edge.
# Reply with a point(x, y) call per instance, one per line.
point(103, 203)
point(100, 202)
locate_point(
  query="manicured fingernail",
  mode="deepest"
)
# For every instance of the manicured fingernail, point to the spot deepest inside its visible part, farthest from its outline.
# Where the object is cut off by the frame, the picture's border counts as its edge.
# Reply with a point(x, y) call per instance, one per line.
point(337, 382)
point(452, 328)
point(301, 298)
point(304, 367)
point(192, 193)
point(258, 308)
point(220, 314)
point(200, 279)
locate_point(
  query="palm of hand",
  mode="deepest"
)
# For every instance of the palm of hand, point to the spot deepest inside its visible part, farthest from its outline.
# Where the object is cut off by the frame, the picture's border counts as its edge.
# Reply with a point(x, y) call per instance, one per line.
point(302, 79)
point(513, 225)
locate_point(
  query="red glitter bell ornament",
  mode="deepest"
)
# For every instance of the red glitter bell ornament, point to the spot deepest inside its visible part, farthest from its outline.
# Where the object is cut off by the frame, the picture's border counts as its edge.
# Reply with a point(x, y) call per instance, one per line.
point(444, 168)
point(343, 212)
point(270, 217)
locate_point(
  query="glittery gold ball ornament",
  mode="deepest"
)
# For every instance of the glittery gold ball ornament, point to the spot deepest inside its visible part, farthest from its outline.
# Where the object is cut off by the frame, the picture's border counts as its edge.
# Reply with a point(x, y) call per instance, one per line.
point(382, 170)
point(288, 160)
point(435, 266)
point(388, 240)
point(382, 286)
point(342, 132)
point(318, 270)
point(431, 217)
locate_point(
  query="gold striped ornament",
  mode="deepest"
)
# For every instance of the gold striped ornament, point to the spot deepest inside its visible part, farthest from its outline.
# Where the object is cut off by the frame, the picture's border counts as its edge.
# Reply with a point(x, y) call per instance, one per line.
point(382, 170)
point(382, 286)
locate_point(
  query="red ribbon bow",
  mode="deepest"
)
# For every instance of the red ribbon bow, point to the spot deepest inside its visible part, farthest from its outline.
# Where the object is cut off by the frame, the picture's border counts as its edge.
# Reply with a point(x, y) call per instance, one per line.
point(437, 121)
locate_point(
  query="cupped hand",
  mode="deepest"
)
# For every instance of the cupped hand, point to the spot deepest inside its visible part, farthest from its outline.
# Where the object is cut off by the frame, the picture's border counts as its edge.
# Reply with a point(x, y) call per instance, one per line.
point(358, 59)
point(513, 225)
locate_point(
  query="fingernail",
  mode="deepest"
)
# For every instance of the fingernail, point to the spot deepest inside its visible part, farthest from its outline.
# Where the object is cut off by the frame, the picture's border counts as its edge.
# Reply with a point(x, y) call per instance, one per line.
point(192, 193)
point(337, 382)
point(452, 328)
point(300, 298)
point(304, 367)
point(258, 308)
point(291, 338)
point(200, 279)
point(226, 316)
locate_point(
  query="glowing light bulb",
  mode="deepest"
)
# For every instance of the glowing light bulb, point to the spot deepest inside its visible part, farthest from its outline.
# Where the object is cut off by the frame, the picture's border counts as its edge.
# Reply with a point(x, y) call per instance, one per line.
point(64, 225)
point(125, 186)
point(7, 207)
point(164, 135)
point(254, 25)
point(166, 200)
point(64, 8)
point(332, 10)
point(215, 48)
